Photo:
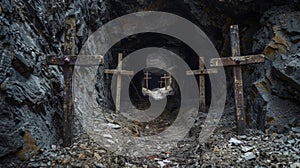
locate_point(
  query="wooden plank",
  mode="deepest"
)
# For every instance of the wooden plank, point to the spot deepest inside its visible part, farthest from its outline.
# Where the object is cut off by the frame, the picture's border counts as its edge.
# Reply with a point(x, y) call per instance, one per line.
point(165, 77)
point(237, 60)
point(146, 78)
point(202, 72)
point(119, 83)
point(86, 60)
point(116, 71)
point(68, 116)
point(202, 86)
point(238, 81)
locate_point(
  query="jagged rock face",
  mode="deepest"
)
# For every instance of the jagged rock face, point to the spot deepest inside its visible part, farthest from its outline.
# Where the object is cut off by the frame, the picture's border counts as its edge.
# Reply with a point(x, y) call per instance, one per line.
point(274, 104)
point(31, 91)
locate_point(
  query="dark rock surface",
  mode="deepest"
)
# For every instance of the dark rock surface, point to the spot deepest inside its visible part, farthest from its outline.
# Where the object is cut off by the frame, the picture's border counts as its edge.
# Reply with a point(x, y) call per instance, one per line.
point(31, 91)
point(274, 101)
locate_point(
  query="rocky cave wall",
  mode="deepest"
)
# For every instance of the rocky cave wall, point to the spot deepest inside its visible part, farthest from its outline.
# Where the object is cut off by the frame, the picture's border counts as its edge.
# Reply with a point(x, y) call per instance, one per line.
point(31, 91)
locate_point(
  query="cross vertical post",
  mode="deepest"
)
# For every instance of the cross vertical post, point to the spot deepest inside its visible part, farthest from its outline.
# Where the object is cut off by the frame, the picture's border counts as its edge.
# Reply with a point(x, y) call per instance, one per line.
point(119, 72)
point(201, 72)
point(69, 49)
point(237, 61)
point(165, 78)
point(238, 80)
point(68, 62)
point(202, 85)
point(146, 78)
point(119, 82)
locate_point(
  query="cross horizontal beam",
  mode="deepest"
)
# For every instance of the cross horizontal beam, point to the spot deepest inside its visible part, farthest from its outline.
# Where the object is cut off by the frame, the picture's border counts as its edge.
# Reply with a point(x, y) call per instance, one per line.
point(84, 60)
point(237, 60)
point(202, 72)
point(118, 72)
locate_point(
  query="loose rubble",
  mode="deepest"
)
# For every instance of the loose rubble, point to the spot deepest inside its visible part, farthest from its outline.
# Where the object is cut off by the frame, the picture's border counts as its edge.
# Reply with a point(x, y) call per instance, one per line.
point(223, 149)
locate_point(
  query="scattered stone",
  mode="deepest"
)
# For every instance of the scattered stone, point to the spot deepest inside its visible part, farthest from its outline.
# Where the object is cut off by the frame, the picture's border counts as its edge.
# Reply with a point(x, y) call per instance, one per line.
point(107, 136)
point(246, 148)
point(249, 156)
point(97, 156)
point(295, 165)
point(114, 126)
point(235, 141)
point(296, 129)
point(81, 156)
point(99, 165)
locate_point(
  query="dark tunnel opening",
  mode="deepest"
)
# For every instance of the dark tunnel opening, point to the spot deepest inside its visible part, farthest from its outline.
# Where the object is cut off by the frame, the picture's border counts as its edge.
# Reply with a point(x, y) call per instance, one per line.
point(139, 99)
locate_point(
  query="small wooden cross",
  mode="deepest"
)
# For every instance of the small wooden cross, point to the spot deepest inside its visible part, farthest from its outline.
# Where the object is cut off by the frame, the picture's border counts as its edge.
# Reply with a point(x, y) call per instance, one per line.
point(165, 78)
point(202, 72)
point(119, 73)
point(237, 61)
point(146, 78)
point(68, 62)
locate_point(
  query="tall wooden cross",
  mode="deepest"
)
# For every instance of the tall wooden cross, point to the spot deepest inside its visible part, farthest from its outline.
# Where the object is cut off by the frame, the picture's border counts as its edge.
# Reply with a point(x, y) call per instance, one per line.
point(202, 72)
point(119, 72)
point(146, 78)
point(165, 78)
point(68, 62)
point(237, 61)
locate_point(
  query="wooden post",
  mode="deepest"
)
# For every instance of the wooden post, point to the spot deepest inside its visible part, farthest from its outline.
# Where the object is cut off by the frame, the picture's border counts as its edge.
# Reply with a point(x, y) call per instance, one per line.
point(236, 61)
point(119, 73)
point(165, 78)
point(146, 78)
point(202, 72)
point(68, 63)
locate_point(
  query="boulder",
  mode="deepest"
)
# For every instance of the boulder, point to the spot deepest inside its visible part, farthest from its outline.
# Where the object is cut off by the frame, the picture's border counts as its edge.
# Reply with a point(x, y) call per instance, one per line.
point(273, 101)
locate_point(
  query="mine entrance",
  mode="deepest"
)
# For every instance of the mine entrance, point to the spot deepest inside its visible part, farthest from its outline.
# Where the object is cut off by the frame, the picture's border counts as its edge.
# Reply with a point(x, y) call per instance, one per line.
point(139, 94)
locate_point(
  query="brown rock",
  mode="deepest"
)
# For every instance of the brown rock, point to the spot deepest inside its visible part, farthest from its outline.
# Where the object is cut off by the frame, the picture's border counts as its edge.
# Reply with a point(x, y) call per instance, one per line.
point(81, 156)
point(30, 147)
point(97, 156)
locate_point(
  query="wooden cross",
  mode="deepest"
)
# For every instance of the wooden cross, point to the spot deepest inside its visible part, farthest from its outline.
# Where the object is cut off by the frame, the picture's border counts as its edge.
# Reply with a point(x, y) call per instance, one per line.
point(237, 61)
point(202, 72)
point(68, 62)
point(119, 73)
point(146, 78)
point(165, 78)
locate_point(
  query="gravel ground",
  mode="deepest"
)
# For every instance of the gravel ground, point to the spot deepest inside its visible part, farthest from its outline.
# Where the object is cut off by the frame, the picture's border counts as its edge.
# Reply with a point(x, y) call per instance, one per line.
point(223, 149)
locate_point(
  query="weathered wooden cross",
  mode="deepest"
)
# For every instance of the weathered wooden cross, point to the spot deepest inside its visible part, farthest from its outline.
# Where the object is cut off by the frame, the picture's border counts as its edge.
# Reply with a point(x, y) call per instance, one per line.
point(202, 72)
point(146, 78)
point(119, 72)
point(165, 78)
point(237, 61)
point(68, 62)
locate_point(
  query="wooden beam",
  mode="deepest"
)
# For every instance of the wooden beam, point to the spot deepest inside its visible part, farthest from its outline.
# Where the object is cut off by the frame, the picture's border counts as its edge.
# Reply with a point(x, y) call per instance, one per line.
point(201, 72)
point(115, 71)
point(119, 83)
point(165, 77)
point(68, 116)
point(238, 80)
point(146, 78)
point(237, 60)
point(119, 72)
